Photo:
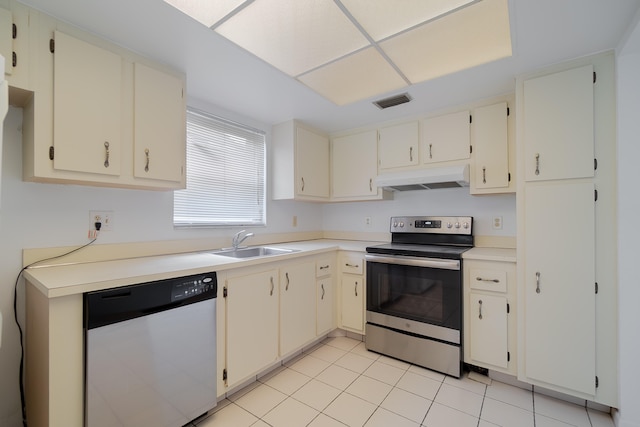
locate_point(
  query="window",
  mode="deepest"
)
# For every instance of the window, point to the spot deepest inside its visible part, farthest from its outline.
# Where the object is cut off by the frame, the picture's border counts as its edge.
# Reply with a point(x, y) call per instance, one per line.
point(225, 174)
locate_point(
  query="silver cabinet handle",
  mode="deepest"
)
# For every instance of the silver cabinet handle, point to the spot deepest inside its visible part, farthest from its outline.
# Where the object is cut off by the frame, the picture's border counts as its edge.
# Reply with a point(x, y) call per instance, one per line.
point(324, 267)
point(271, 292)
point(370, 184)
point(146, 166)
point(537, 282)
point(106, 154)
point(480, 309)
point(484, 175)
point(322, 287)
point(355, 289)
point(302, 184)
point(537, 163)
point(286, 288)
point(351, 265)
point(480, 279)
point(430, 151)
point(411, 154)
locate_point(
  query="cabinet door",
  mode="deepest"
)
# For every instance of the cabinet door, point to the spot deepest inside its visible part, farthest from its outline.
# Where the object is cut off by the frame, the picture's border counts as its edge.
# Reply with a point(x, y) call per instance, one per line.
point(87, 105)
point(398, 145)
point(6, 39)
point(559, 288)
point(558, 125)
point(159, 125)
point(312, 164)
point(297, 306)
point(324, 306)
point(445, 138)
point(491, 149)
point(352, 302)
point(252, 324)
point(488, 329)
point(354, 165)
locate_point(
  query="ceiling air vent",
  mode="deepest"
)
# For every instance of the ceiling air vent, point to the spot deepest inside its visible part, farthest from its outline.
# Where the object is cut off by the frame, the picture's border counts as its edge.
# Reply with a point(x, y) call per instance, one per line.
point(392, 101)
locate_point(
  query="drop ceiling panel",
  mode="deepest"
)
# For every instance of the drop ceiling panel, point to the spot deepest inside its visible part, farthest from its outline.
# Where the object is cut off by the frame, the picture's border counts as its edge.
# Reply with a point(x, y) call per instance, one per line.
point(384, 18)
point(292, 35)
point(206, 12)
point(358, 76)
point(475, 35)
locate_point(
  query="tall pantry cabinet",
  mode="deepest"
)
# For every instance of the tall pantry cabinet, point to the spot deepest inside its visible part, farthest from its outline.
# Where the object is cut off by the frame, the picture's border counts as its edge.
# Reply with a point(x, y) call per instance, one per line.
point(566, 229)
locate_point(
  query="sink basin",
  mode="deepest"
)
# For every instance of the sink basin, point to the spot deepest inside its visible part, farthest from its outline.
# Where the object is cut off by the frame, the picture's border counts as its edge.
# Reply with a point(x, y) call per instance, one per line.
point(254, 251)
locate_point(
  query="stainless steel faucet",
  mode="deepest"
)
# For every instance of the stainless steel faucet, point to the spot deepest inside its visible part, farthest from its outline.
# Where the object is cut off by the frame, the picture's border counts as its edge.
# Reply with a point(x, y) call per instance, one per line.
point(237, 239)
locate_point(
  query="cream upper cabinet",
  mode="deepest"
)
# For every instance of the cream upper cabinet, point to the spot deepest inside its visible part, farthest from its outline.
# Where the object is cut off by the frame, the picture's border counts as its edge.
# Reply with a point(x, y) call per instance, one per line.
point(252, 324)
point(491, 155)
point(559, 285)
point(87, 101)
point(14, 47)
point(559, 125)
point(300, 162)
point(398, 146)
point(297, 305)
point(354, 160)
point(160, 125)
point(445, 138)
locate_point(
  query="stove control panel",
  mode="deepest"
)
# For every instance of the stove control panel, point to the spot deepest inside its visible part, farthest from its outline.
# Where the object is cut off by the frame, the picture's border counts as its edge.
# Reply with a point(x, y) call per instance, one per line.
point(432, 224)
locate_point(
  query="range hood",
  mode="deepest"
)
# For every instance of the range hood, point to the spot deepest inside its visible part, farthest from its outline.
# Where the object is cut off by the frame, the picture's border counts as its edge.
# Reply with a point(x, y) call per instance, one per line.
point(425, 179)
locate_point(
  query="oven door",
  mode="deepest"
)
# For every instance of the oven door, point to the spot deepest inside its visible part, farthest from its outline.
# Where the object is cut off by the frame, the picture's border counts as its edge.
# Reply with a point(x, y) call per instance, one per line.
point(421, 296)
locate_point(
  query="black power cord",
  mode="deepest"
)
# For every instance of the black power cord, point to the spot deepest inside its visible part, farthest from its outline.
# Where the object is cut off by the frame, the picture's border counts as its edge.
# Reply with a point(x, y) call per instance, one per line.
point(15, 316)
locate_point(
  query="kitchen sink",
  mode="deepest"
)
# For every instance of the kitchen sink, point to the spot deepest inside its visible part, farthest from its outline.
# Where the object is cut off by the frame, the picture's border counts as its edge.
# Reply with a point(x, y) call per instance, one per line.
point(254, 251)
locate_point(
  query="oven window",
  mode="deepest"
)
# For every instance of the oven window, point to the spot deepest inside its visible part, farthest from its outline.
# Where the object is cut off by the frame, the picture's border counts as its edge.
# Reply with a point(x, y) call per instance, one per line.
point(422, 294)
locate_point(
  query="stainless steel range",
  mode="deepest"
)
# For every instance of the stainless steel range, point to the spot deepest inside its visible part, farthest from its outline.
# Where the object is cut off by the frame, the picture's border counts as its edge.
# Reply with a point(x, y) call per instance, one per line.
point(414, 291)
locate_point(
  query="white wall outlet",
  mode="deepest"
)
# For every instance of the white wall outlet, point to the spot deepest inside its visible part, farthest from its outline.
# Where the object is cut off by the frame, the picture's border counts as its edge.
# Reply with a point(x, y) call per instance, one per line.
point(497, 223)
point(104, 217)
point(367, 221)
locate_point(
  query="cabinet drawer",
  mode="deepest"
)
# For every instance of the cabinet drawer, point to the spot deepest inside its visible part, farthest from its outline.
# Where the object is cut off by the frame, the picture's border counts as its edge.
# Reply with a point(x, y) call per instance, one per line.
point(352, 263)
point(324, 267)
point(488, 280)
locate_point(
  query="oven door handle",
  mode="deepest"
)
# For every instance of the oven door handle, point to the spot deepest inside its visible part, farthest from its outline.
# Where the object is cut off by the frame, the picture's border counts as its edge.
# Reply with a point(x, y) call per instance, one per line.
point(444, 264)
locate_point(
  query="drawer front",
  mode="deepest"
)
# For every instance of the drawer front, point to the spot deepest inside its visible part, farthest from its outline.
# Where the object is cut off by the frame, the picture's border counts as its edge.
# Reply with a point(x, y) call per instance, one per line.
point(324, 267)
point(352, 263)
point(488, 280)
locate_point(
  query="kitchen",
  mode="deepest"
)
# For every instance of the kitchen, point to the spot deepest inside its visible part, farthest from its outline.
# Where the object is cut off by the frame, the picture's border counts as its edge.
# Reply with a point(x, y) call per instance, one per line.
point(144, 216)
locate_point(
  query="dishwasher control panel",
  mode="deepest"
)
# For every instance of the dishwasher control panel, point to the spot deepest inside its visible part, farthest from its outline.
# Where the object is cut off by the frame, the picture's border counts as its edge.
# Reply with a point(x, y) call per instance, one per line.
point(192, 286)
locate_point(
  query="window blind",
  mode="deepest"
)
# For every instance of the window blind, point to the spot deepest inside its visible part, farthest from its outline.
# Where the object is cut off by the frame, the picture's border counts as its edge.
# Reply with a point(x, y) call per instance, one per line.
point(225, 174)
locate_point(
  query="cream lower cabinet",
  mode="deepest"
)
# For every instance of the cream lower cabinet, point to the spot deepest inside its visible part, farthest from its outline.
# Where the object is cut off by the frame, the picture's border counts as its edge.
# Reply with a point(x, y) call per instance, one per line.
point(560, 286)
point(297, 305)
point(251, 323)
point(489, 319)
point(352, 291)
point(325, 296)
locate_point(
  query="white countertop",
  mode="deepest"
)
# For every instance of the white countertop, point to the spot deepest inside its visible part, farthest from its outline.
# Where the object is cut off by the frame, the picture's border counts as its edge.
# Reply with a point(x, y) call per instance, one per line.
point(491, 254)
point(70, 279)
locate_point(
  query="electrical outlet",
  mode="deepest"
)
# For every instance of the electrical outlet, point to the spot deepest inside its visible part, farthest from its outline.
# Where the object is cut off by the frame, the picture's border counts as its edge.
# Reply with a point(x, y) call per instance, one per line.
point(367, 221)
point(497, 223)
point(104, 217)
point(294, 222)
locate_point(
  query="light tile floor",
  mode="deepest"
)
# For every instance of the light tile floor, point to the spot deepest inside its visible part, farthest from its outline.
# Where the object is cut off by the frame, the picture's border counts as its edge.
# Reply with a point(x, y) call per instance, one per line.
point(339, 383)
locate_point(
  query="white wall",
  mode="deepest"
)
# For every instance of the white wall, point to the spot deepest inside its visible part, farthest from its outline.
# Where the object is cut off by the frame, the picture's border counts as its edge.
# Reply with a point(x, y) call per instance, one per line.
point(36, 215)
point(452, 201)
point(628, 98)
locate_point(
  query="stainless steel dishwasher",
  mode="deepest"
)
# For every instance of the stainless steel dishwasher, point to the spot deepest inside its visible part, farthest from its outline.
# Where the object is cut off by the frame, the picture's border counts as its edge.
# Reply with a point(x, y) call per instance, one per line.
point(150, 352)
